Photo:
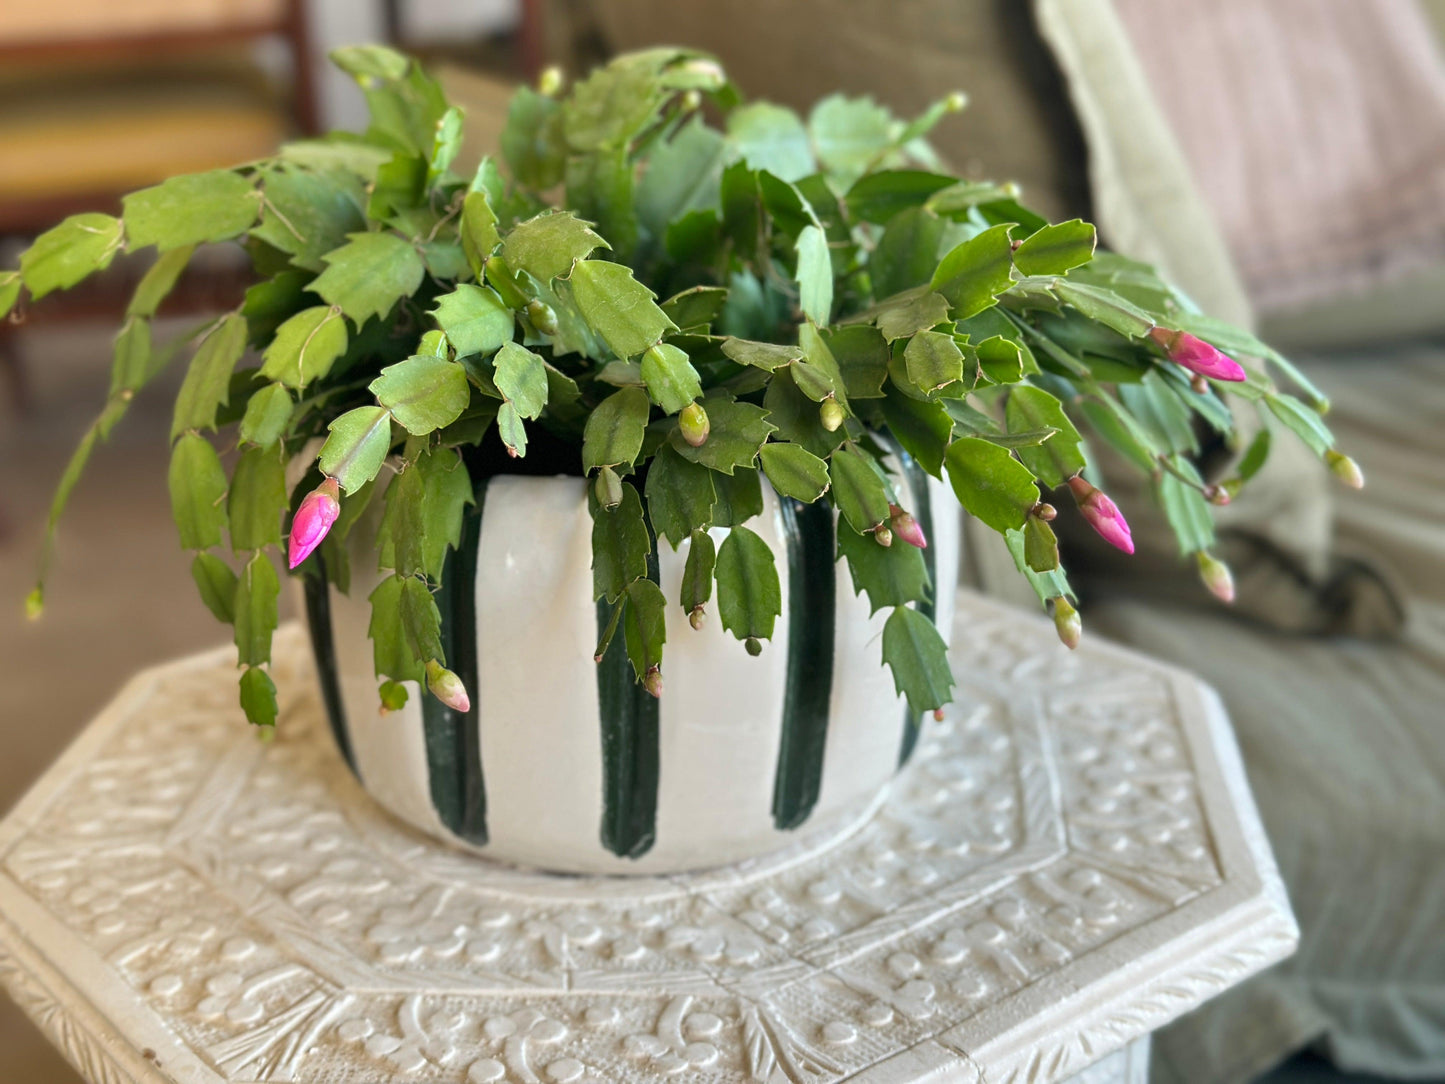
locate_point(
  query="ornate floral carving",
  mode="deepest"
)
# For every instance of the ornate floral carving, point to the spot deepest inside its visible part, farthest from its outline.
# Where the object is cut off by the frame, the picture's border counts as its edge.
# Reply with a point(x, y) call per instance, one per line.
point(254, 904)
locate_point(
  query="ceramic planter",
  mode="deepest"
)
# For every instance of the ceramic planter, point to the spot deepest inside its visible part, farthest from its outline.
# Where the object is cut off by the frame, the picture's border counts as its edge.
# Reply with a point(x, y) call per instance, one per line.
point(567, 765)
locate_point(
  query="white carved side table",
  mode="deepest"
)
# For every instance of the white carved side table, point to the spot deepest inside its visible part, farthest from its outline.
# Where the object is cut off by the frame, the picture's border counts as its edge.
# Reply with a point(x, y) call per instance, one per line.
point(1073, 861)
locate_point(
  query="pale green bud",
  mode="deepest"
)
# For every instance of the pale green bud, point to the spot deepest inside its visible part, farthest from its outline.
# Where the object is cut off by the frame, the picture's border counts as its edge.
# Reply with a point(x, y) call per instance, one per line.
point(542, 316)
point(608, 488)
point(694, 425)
point(447, 687)
point(549, 83)
point(1345, 469)
point(1216, 576)
point(1067, 623)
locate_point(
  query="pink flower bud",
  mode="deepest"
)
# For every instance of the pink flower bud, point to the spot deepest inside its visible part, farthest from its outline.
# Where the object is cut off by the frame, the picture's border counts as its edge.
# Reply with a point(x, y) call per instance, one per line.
point(1216, 576)
point(652, 682)
point(314, 518)
point(904, 526)
point(1345, 469)
point(1102, 513)
point(697, 617)
point(447, 687)
point(1067, 623)
point(1196, 355)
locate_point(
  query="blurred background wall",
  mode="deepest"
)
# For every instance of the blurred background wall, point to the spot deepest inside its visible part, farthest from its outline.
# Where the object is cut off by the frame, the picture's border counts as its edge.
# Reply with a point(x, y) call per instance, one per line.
point(1336, 680)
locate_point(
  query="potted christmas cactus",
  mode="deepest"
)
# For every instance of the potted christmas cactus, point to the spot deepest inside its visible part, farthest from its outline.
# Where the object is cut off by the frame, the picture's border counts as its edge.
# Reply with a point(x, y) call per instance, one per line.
point(621, 475)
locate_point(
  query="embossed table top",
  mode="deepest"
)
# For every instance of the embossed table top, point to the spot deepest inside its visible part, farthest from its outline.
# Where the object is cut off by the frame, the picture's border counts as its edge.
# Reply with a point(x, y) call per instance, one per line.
point(1073, 861)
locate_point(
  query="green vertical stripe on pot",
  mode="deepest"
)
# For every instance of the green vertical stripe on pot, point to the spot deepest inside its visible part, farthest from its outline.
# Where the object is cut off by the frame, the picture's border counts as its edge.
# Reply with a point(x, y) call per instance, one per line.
point(812, 589)
point(317, 590)
point(453, 738)
point(923, 513)
point(630, 759)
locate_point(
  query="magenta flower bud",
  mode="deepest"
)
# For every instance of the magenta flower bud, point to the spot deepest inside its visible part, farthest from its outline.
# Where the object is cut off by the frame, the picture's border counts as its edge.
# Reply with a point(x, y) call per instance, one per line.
point(1067, 623)
point(313, 519)
point(1102, 513)
point(1345, 469)
point(652, 682)
point(1216, 576)
point(447, 687)
point(906, 527)
point(1196, 355)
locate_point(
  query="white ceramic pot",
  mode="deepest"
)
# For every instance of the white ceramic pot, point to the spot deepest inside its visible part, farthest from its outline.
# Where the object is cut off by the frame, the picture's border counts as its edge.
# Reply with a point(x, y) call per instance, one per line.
point(567, 765)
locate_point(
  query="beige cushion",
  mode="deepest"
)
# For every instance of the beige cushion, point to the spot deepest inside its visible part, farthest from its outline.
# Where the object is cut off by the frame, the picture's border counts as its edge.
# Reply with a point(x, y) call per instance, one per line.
point(1315, 130)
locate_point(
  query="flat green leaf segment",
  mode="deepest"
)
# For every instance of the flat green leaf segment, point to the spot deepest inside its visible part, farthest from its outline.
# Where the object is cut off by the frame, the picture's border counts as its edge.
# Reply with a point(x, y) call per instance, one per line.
point(198, 489)
point(749, 596)
point(369, 274)
point(918, 657)
point(842, 318)
point(474, 318)
point(547, 246)
point(306, 346)
point(618, 307)
point(357, 446)
point(191, 210)
point(927, 596)
point(423, 393)
point(990, 483)
point(207, 385)
point(73, 250)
